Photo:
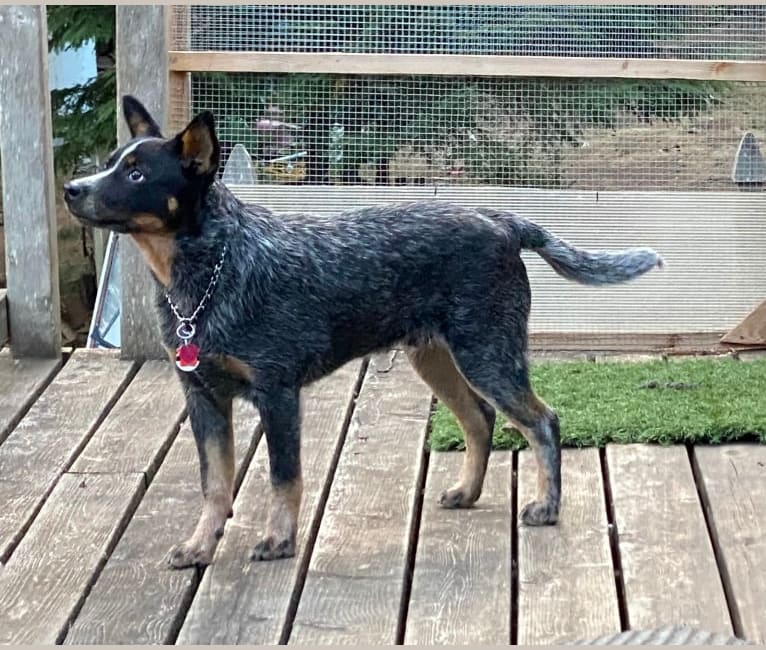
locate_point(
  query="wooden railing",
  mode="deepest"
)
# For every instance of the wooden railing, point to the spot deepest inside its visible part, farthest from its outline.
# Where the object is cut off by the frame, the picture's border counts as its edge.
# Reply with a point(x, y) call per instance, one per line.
point(26, 150)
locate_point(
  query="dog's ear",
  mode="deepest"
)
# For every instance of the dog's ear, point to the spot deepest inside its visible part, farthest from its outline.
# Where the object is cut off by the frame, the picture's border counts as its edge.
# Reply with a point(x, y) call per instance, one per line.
point(139, 121)
point(197, 145)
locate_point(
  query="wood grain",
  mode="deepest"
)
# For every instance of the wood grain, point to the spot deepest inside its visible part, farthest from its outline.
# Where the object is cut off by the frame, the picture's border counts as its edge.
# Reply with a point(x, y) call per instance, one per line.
point(242, 602)
point(669, 570)
point(51, 434)
point(138, 598)
point(464, 64)
point(26, 146)
point(734, 480)
point(463, 560)
point(3, 318)
point(141, 47)
point(566, 578)
point(43, 584)
point(21, 382)
point(140, 428)
point(354, 584)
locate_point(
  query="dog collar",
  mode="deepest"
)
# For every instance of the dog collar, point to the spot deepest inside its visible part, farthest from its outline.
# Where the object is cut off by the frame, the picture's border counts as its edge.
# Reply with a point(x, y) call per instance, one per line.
point(187, 353)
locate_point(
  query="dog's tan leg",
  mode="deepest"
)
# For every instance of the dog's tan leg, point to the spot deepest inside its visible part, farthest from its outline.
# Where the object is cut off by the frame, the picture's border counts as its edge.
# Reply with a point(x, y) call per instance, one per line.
point(281, 530)
point(540, 426)
point(477, 418)
point(280, 415)
point(215, 444)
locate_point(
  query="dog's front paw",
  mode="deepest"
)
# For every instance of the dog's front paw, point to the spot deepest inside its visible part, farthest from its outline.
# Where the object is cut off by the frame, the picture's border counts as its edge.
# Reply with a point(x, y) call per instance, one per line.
point(457, 497)
point(272, 548)
point(539, 513)
point(190, 553)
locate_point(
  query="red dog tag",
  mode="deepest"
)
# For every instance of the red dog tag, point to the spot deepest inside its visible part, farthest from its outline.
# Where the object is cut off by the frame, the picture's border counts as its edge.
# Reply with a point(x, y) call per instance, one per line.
point(187, 357)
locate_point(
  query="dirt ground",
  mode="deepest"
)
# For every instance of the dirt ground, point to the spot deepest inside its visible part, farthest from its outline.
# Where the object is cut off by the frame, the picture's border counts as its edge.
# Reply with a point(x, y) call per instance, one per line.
point(691, 154)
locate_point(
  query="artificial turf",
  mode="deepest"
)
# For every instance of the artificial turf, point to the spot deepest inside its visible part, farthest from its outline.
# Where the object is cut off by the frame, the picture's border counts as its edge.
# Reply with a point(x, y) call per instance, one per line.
point(708, 400)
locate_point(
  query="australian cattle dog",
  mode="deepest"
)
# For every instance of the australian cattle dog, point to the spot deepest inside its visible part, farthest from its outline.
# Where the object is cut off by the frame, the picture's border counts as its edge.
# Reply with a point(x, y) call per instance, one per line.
point(257, 304)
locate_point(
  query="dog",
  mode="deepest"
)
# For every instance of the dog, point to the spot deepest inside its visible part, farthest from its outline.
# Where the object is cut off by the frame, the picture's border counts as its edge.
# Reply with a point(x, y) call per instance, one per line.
point(257, 305)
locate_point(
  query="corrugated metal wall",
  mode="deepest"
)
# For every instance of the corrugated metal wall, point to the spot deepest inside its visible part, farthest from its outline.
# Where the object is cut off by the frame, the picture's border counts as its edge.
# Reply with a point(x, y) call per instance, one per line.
point(714, 244)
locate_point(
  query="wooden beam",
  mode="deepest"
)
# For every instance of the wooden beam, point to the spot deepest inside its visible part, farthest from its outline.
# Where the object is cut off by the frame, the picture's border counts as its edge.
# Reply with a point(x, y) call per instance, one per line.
point(464, 64)
point(142, 71)
point(671, 343)
point(26, 146)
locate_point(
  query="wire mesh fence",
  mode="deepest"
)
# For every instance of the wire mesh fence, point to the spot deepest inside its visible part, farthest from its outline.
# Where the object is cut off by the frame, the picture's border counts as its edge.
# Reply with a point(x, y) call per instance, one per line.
point(495, 139)
point(565, 133)
point(642, 31)
point(602, 134)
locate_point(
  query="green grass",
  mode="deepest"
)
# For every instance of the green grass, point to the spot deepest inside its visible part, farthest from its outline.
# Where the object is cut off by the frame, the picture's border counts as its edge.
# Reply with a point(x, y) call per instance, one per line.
point(708, 400)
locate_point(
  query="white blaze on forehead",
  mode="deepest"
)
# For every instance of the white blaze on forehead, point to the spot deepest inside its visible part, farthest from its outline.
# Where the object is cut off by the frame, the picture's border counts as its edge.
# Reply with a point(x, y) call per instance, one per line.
point(87, 180)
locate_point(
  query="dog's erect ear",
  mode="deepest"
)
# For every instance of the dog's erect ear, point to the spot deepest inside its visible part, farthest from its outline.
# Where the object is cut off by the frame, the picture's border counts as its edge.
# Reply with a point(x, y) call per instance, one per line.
point(139, 121)
point(197, 145)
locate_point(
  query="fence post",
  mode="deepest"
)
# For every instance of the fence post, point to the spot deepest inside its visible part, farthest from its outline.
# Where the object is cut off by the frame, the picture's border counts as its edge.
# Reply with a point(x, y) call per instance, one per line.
point(26, 147)
point(142, 71)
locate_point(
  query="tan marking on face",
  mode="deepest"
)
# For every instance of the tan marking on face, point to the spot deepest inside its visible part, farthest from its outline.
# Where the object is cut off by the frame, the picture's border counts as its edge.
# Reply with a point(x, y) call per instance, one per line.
point(158, 251)
point(172, 204)
point(130, 160)
point(149, 223)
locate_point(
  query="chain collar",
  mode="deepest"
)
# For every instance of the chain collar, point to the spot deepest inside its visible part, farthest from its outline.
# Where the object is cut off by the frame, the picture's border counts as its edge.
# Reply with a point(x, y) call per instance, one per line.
point(186, 330)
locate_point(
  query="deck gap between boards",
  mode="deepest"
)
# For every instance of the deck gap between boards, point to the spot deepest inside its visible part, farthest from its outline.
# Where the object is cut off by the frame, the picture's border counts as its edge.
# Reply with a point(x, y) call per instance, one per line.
point(514, 613)
point(720, 560)
point(122, 524)
point(256, 438)
point(313, 532)
point(65, 469)
point(414, 532)
point(614, 542)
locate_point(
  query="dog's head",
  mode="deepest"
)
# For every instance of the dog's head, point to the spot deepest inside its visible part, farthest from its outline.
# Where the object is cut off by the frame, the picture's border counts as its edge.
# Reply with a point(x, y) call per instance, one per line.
point(150, 184)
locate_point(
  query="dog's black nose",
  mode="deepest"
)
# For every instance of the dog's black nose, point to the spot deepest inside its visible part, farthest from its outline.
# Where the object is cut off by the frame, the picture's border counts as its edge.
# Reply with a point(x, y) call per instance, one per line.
point(71, 191)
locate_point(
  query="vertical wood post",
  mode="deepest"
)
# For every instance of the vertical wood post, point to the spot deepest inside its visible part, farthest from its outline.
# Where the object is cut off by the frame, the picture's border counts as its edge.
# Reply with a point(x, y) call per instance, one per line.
point(179, 38)
point(142, 71)
point(26, 147)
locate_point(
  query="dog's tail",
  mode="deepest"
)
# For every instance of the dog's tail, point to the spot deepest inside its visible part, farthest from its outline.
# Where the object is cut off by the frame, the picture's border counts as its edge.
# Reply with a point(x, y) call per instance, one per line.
point(598, 267)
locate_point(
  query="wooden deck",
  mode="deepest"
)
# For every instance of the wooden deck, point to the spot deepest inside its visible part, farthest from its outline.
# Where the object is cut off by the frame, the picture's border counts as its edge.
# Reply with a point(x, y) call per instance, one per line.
point(98, 478)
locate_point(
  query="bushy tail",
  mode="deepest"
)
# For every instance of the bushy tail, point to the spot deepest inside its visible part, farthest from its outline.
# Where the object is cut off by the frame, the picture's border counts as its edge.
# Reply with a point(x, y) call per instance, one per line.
point(601, 267)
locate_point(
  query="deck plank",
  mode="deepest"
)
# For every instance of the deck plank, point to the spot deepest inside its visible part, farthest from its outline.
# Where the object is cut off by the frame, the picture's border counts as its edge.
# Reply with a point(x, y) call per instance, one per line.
point(463, 560)
point(45, 579)
point(354, 584)
point(21, 382)
point(49, 436)
point(734, 481)
point(566, 577)
point(140, 428)
point(138, 598)
point(241, 602)
point(669, 569)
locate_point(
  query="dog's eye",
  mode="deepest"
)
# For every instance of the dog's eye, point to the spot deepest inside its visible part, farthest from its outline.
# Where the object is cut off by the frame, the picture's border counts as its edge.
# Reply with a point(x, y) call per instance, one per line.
point(135, 175)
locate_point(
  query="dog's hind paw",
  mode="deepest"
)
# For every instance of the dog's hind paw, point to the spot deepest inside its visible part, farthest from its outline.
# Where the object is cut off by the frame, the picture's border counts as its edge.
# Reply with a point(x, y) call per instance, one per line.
point(271, 549)
point(539, 513)
point(188, 554)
